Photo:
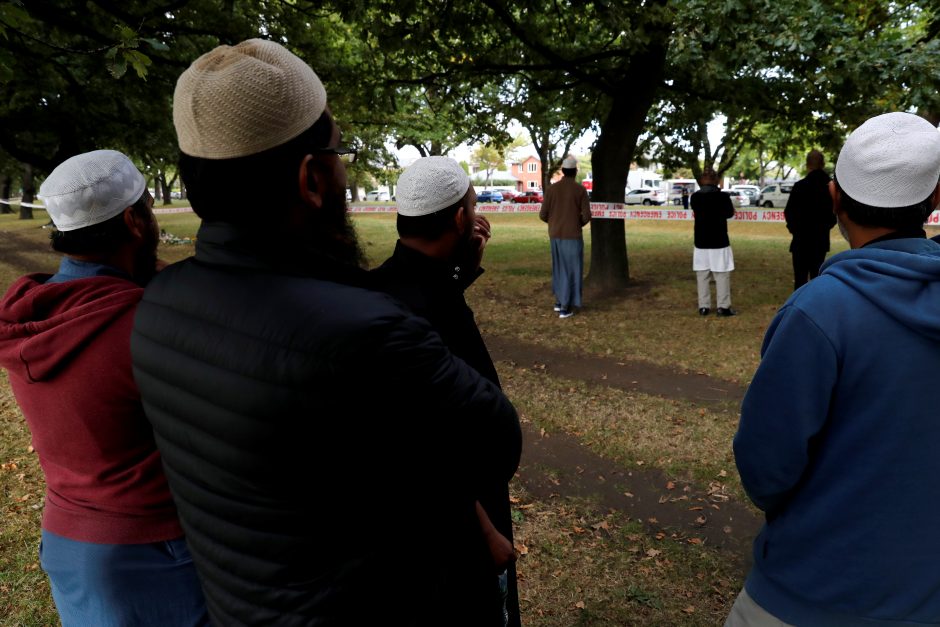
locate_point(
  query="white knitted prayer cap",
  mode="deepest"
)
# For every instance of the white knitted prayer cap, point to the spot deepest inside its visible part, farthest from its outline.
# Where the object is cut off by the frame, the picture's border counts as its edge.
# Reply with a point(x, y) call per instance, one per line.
point(892, 160)
point(429, 185)
point(570, 163)
point(241, 100)
point(90, 188)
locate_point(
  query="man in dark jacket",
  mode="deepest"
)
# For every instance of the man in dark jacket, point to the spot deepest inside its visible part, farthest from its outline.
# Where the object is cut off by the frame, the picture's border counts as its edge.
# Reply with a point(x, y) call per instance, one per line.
point(436, 258)
point(712, 258)
point(810, 218)
point(112, 544)
point(321, 442)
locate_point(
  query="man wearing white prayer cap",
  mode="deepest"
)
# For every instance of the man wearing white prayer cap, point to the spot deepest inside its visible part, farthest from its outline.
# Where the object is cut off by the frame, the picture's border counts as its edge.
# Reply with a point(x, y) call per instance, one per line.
point(839, 434)
point(112, 545)
point(321, 440)
point(566, 209)
point(436, 258)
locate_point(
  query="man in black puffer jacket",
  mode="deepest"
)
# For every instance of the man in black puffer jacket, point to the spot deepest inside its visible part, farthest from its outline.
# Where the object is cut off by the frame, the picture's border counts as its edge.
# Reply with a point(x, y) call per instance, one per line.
point(320, 441)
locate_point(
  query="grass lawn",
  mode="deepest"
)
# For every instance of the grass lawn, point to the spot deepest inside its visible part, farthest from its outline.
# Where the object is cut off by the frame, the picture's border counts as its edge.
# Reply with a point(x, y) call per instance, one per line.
point(581, 565)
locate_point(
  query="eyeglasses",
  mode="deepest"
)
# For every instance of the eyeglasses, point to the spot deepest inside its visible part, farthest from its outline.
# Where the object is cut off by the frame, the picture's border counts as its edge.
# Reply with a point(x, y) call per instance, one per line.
point(346, 155)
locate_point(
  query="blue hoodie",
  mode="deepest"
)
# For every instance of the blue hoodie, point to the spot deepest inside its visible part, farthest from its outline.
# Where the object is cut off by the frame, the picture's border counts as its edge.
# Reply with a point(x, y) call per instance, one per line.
point(839, 444)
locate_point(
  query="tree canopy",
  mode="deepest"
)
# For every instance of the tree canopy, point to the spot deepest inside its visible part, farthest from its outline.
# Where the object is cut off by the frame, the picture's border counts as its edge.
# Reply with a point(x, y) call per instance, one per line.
point(645, 77)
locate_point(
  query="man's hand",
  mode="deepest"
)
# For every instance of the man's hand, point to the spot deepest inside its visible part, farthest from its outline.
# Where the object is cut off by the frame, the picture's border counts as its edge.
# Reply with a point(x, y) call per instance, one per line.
point(478, 239)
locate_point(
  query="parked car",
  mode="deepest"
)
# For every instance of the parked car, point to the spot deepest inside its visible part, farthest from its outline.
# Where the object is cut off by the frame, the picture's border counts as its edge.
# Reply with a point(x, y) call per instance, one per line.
point(530, 197)
point(377, 196)
point(644, 196)
point(738, 198)
point(490, 195)
point(775, 195)
point(508, 194)
point(752, 191)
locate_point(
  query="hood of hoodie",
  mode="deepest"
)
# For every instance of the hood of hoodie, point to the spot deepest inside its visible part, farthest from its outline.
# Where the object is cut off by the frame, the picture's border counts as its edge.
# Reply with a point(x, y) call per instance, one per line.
point(901, 277)
point(43, 326)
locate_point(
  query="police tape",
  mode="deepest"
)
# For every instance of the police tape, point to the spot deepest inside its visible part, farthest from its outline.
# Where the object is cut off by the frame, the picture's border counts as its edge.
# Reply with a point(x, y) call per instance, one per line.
point(22, 204)
point(601, 210)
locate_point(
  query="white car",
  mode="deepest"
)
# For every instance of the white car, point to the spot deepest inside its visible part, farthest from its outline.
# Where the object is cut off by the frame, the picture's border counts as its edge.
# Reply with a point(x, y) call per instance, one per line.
point(752, 192)
point(644, 196)
point(738, 198)
point(377, 196)
point(775, 195)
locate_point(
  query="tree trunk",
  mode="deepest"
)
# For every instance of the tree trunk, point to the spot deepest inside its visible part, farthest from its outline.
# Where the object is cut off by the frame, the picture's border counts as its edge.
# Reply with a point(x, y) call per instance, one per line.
point(5, 193)
point(157, 193)
point(613, 153)
point(166, 188)
point(29, 193)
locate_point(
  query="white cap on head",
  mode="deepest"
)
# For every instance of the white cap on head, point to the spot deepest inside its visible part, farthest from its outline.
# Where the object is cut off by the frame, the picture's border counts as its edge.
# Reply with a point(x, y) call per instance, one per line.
point(892, 160)
point(429, 185)
point(236, 101)
point(89, 188)
point(569, 163)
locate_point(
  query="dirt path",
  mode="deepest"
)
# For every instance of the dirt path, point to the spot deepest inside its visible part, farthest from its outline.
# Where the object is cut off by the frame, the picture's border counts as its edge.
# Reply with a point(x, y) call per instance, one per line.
point(687, 511)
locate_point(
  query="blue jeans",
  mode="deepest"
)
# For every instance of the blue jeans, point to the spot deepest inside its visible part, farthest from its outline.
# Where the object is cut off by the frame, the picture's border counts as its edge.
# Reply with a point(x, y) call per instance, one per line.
point(123, 585)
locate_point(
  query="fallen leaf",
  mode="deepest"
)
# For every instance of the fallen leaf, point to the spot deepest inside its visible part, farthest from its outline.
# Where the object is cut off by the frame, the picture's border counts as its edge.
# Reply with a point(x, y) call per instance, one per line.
point(689, 610)
point(30, 449)
point(695, 540)
point(522, 549)
point(628, 494)
point(652, 521)
point(701, 520)
point(670, 485)
point(601, 525)
point(579, 605)
point(696, 508)
point(653, 552)
point(723, 473)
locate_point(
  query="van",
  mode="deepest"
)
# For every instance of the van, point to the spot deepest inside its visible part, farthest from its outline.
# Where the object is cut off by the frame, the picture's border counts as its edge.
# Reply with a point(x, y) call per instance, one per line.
point(775, 195)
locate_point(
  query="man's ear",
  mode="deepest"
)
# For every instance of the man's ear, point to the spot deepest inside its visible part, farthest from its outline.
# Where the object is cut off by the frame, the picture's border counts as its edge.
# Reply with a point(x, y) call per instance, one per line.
point(836, 197)
point(310, 183)
point(133, 223)
point(460, 219)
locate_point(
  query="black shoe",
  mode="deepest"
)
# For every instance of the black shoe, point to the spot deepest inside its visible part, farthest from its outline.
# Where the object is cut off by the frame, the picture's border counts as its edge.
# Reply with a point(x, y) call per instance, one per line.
point(704, 311)
point(724, 313)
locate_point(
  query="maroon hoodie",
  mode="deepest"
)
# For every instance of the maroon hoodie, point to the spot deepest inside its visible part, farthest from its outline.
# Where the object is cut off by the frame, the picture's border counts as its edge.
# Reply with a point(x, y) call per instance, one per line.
point(67, 349)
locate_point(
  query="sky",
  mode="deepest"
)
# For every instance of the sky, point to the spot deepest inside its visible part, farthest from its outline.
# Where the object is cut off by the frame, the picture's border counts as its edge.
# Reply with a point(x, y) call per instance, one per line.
point(582, 146)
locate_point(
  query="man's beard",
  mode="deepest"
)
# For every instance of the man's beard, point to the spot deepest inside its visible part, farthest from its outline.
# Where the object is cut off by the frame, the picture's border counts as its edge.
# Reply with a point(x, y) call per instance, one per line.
point(145, 257)
point(332, 232)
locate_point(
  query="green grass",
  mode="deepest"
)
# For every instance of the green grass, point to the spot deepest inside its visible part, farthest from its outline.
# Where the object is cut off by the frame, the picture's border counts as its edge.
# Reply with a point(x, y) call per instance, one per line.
point(617, 572)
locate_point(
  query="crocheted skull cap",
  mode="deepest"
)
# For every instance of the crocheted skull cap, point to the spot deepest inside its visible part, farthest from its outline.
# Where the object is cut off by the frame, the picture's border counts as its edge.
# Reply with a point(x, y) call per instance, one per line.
point(241, 100)
point(569, 163)
point(429, 185)
point(89, 188)
point(892, 160)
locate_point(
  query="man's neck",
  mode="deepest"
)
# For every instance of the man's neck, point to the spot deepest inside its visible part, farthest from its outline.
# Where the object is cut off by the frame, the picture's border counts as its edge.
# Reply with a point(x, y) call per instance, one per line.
point(442, 248)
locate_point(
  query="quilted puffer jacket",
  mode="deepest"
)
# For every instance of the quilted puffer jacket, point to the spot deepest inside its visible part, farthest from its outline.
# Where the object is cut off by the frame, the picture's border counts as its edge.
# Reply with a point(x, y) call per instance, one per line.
point(318, 439)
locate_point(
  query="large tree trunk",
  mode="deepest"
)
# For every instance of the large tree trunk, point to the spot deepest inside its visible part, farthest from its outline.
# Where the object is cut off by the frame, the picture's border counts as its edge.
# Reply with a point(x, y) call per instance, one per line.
point(7, 187)
point(157, 193)
point(29, 193)
point(613, 152)
point(610, 268)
